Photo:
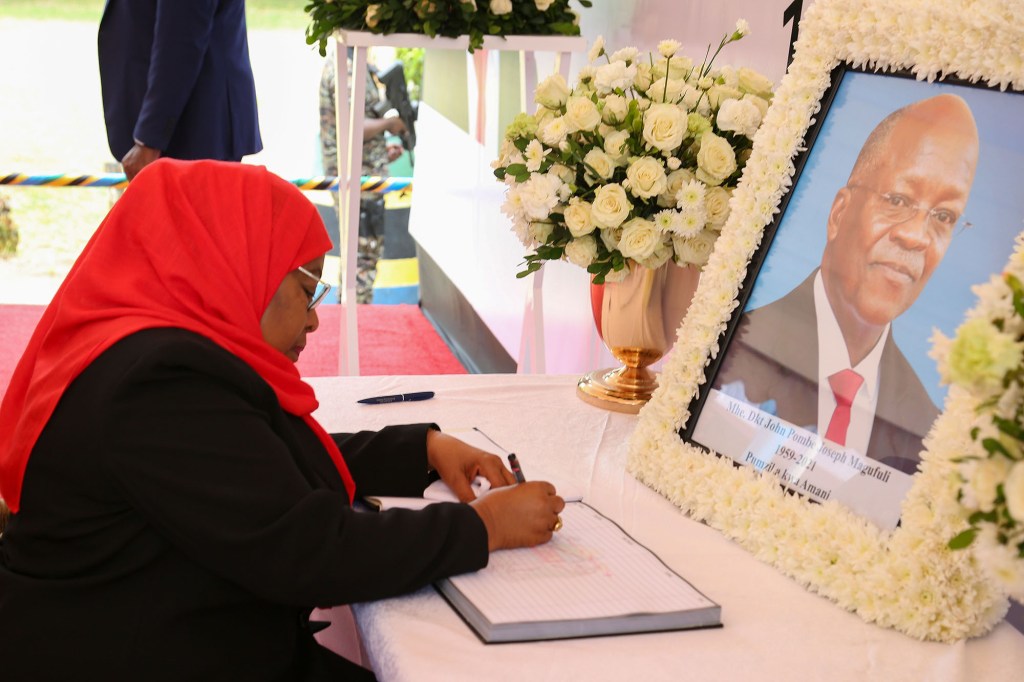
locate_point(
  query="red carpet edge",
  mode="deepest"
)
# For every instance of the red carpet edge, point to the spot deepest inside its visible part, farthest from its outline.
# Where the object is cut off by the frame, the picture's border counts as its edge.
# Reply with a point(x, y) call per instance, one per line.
point(393, 339)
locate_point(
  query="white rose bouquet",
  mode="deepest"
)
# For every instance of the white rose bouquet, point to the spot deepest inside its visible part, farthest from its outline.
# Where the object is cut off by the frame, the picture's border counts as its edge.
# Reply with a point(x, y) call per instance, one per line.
point(634, 164)
point(985, 364)
point(450, 18)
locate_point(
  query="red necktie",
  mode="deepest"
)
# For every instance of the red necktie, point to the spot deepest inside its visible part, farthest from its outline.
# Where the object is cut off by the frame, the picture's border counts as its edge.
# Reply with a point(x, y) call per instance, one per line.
point(844, 386)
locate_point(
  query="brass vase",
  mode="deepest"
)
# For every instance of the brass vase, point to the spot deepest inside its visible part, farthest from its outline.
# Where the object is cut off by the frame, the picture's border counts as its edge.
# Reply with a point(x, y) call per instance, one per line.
point(637, 320)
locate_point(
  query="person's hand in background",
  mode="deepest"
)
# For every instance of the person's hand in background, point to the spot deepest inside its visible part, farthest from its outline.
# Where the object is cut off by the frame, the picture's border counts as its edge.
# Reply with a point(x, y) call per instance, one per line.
point(137, 158)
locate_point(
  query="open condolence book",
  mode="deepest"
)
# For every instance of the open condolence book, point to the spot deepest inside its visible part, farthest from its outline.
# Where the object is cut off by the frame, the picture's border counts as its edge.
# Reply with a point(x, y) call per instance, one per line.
point(591, 579)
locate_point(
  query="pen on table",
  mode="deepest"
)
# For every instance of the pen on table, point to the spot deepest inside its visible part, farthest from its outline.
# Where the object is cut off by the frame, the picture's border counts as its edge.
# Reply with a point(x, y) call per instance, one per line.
point(516, 469)
point(399, 398)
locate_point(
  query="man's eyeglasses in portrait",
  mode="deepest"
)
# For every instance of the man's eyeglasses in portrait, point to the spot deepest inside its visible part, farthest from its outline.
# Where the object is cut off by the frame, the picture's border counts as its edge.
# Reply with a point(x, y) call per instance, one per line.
point(895, 208)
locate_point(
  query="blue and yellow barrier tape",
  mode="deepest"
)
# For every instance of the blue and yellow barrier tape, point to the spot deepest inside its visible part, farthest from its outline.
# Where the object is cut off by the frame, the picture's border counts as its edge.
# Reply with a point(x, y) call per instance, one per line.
point(328, 183)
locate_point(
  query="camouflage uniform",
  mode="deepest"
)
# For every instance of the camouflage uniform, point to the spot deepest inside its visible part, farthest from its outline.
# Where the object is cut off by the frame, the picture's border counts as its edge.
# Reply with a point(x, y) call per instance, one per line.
point(375, 162)
point(375, 153)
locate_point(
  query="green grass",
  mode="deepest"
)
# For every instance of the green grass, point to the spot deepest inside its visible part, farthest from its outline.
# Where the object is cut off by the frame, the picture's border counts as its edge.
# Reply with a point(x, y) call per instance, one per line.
point(260, 14)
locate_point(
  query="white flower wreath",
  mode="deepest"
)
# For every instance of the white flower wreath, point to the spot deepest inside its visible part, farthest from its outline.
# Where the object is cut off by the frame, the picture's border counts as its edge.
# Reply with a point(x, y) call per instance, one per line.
point(907, 579)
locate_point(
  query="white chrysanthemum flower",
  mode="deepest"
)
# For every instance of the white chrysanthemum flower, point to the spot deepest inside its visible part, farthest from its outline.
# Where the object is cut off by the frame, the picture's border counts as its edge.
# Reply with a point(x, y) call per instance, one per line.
point(521, 228)
point(534, 155)
point(553, 131)
point(666, 220)
point(538, 196)
point(596, 50)
point(1001, 562)
point(690, 197)
point(689, 223)
point(614, 76)
point(740, 116)
point(668, 48)
point(742, 27)
point(626, 54)
point(586, 76)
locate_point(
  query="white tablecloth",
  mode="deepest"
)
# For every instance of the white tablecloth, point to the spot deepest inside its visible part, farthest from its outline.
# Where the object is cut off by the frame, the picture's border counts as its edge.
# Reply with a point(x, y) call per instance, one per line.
point(773, 628)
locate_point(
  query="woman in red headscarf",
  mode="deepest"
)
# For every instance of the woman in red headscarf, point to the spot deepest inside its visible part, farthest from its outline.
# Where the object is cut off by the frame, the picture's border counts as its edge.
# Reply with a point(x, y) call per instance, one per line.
point(176, 510)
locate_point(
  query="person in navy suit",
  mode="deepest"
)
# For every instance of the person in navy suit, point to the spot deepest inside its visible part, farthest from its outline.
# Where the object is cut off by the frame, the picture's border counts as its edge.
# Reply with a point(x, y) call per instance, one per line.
point(176, 81)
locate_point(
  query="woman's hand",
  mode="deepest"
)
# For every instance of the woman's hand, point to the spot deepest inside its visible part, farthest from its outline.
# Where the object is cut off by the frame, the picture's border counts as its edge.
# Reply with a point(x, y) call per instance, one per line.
point(521, 516)
point(458, 463)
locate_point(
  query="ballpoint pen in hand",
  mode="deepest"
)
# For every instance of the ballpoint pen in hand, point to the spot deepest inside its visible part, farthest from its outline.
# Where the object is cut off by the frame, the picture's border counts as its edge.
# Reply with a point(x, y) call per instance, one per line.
point(513, 462)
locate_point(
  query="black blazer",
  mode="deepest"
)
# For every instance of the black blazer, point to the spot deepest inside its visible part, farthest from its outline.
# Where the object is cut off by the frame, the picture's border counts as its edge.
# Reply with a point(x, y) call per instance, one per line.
point(176, 524)
point(175, 75)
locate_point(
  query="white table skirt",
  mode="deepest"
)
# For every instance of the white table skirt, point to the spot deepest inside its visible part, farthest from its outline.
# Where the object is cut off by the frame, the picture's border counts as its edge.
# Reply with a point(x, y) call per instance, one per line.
point(773, 628)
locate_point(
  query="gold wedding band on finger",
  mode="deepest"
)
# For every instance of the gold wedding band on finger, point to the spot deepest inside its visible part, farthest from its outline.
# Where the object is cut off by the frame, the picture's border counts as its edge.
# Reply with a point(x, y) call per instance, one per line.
point(558, 524)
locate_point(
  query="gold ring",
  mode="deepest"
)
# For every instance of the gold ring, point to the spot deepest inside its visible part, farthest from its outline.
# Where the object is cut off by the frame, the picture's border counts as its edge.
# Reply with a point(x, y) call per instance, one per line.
point(558, 524)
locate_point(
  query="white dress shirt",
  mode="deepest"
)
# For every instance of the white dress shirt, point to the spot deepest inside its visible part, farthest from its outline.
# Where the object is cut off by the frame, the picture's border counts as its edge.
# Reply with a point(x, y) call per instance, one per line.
point(834, 357)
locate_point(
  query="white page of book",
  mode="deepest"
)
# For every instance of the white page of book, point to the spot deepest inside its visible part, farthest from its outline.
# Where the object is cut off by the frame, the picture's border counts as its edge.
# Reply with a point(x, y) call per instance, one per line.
point(569, 490)
point(590, 569)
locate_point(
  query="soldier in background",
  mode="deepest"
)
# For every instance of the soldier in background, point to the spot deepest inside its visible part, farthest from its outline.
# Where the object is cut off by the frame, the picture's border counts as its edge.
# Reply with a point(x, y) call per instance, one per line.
point(378, 152)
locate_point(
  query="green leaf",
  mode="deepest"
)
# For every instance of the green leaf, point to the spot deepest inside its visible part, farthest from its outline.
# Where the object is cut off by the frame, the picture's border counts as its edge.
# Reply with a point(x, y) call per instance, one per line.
point(1018, 293)
point(531, 268)
point(499, 173)
point(979, 516)
point(993, 446)
point(963, 539)
point(564, 28)
point(550, 252)
point(1009, 427)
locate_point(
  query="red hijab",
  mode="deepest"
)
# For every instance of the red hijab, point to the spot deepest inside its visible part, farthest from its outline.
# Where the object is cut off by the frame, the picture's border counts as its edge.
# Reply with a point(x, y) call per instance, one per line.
point(198, 245)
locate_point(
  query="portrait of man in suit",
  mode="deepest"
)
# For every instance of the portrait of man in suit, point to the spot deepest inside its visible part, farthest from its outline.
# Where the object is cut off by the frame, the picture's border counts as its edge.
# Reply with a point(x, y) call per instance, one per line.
point(823, 356)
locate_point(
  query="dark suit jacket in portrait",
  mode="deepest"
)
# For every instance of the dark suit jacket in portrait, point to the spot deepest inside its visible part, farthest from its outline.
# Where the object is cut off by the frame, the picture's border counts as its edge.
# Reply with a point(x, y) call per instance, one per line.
point(774, 352)
point(175, 75)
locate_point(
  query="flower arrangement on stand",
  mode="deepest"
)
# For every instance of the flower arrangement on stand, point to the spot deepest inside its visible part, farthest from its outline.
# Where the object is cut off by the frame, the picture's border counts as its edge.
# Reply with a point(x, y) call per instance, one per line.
point(449, 18)
point(984, 365)
point(633, 165)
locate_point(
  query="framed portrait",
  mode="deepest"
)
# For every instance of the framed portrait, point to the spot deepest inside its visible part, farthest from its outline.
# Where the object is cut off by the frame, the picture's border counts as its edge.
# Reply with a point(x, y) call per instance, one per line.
point(877, 244)
point(800, 412)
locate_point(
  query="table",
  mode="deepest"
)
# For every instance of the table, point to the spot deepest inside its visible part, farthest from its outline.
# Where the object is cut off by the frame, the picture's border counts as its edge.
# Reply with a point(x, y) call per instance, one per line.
point(773, 628)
